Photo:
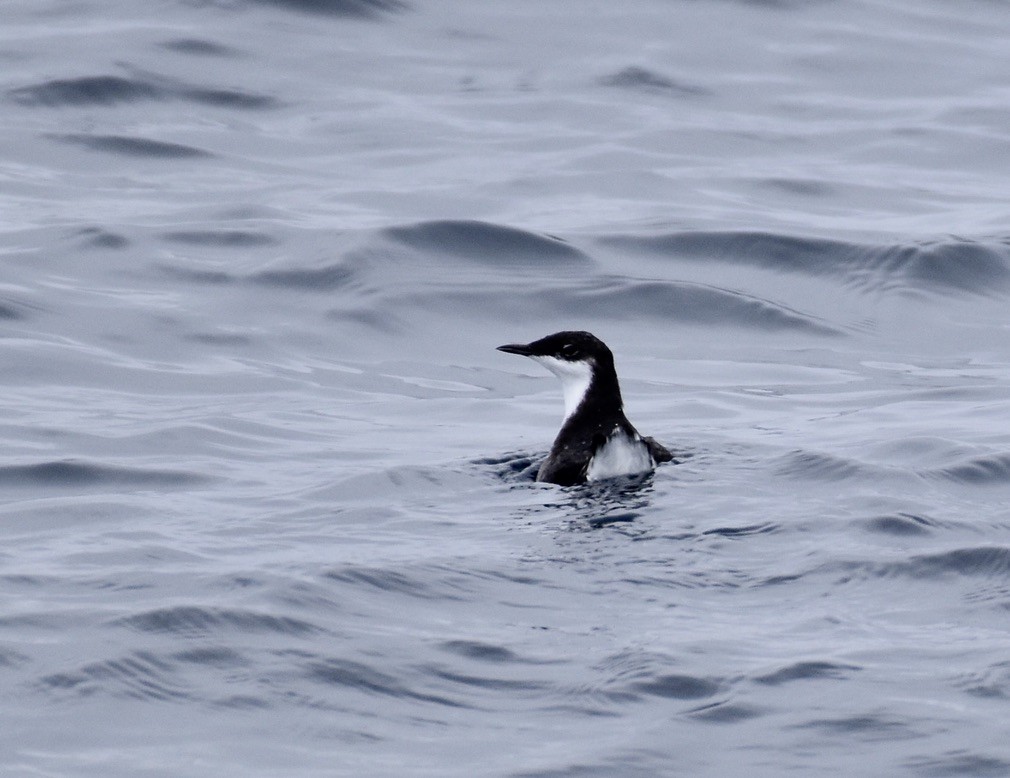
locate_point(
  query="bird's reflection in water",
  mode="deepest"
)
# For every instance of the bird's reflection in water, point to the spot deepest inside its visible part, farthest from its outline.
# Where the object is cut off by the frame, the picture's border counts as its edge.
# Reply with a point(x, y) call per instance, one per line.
point(613, 501)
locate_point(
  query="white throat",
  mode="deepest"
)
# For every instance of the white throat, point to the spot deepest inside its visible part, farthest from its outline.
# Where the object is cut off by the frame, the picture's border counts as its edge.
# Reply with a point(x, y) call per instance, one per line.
point(575, 378)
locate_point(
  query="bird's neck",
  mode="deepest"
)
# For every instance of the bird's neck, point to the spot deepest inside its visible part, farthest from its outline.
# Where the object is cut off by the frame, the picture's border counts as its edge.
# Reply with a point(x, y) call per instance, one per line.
point(596, 395)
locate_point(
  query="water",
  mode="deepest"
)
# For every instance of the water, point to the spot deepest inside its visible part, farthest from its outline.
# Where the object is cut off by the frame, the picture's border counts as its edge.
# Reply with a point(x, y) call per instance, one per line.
point(266, 496)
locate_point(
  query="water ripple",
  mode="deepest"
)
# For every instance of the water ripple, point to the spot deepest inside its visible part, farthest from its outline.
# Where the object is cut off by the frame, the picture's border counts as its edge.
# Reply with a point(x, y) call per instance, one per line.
point(689, 302)
point(349, 674)
point(983, 561)
point(192, 621)
point(983, 470)
point(140, 675)
point(616, 299)
point(726, 712)
point(821, 466)
point(991, 683)
point(391, 581)
point(962, 265)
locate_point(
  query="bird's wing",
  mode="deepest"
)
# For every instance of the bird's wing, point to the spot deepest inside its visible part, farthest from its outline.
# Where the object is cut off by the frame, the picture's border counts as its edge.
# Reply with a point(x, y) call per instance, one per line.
point(660, 453)
point(564, 473)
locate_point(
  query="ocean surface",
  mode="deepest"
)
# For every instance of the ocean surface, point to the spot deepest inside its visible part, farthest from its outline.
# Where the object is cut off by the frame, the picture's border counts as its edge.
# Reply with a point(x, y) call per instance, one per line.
point(266, 496)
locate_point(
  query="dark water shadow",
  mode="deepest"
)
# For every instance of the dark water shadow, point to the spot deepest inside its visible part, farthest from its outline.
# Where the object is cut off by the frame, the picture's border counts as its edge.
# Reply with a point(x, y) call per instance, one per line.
point(323, 278)
point(131, 146)
point(85, 90)
point(807, 671)
point(10, 311)
point(678, 686)
point(197, 276)
point(485, 242)
point(228, 98)
point(903, 525)
point(643, 79)
point(866, 727)
point(490, 653)
point(361, 9)
point(629, 765)
point(100, 238)
point(238, 239)
point(108, 90)
point(73, 473)
point(959, 763)
point(199, 47)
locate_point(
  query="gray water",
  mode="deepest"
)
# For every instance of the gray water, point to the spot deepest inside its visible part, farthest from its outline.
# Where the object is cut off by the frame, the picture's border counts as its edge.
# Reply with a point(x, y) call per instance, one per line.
point(267, 506)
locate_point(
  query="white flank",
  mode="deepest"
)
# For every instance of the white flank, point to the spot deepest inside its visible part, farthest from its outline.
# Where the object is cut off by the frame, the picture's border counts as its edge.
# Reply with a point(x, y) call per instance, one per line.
point(620, 455)
point(575, 377)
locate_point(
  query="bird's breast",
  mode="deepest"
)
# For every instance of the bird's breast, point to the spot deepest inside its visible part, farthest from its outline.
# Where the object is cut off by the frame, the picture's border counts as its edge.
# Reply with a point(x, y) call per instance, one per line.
point(621, 454)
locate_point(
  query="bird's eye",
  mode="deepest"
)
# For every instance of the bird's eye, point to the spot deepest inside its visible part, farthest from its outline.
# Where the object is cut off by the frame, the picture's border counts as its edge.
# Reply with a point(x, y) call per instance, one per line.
point(569, 350)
